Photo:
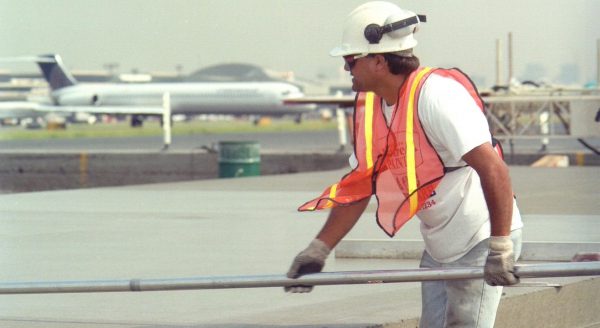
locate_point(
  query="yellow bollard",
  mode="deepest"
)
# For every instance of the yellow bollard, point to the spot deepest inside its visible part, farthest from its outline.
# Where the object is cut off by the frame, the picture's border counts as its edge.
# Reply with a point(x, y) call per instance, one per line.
point(580, 159)
point(83, 169)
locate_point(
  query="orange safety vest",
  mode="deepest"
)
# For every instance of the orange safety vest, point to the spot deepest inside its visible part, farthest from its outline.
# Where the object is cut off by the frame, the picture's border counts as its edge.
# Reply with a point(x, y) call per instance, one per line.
point(397, 163)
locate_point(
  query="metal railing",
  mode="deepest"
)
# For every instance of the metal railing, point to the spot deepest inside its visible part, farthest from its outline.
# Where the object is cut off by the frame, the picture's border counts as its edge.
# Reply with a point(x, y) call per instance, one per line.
point(538, 116)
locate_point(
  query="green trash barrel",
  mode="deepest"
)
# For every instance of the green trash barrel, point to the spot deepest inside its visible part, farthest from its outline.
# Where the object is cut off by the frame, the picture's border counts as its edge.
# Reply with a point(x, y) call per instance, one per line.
point(239, 159)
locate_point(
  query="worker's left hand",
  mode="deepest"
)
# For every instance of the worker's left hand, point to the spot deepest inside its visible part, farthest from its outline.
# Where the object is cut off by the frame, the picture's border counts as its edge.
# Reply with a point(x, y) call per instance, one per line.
point(499, 267)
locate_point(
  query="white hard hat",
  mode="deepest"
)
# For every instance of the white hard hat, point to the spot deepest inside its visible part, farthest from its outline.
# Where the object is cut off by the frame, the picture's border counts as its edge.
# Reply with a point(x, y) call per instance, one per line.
point(378, 27)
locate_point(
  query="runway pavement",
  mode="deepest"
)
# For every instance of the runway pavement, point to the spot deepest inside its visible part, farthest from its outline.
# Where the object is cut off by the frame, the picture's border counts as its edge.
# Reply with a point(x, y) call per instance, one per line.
point(273, 141)
point(240, 227)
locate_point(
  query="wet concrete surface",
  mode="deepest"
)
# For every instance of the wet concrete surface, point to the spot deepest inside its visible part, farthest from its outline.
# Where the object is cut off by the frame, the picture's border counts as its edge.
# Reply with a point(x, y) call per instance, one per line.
point(228, 227)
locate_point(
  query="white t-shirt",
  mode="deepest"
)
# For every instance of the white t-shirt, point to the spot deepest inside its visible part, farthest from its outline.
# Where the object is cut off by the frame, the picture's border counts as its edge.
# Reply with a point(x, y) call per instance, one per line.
point(455, 218)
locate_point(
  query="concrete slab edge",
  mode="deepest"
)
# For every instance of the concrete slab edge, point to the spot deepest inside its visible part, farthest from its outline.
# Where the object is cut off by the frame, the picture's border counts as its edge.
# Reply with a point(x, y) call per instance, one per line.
point(573, 305)
point(413, 249)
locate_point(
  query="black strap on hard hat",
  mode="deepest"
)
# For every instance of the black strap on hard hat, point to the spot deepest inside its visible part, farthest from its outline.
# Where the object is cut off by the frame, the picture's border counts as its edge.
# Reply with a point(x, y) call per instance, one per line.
point(374, 32)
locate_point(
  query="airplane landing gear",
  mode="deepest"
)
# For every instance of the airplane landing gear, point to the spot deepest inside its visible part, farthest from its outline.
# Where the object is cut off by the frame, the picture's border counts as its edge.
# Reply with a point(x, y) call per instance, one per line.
point(137, 121)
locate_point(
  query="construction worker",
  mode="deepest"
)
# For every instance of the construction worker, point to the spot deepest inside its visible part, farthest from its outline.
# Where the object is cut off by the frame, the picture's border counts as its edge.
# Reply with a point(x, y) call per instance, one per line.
point(422, 146)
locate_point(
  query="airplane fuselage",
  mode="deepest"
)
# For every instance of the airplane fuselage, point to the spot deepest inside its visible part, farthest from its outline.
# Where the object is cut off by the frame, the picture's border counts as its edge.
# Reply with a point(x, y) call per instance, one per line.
point(236, 98)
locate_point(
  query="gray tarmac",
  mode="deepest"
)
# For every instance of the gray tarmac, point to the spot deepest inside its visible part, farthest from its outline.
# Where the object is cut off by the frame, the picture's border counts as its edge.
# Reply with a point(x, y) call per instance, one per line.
point(242, 226)
point(275, 141)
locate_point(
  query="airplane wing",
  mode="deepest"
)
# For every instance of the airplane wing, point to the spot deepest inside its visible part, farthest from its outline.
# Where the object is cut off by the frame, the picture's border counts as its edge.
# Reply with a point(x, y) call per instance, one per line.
point(340, 101)
point(536, 98)
point(136, 110)
point(17, 105)
point(17, 109)
point(25, 108)
point(348, 101)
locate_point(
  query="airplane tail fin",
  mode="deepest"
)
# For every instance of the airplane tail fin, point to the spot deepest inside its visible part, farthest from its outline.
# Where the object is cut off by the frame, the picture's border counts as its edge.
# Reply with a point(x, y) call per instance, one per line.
point(54, 72)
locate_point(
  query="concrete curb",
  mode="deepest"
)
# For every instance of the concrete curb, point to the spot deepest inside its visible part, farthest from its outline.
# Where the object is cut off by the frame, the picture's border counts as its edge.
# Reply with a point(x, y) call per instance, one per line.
point(24, 172)
point(413, 249)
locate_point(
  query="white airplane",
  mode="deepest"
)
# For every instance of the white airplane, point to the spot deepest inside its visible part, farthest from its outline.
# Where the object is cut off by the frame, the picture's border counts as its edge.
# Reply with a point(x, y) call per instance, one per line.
point(140, 99)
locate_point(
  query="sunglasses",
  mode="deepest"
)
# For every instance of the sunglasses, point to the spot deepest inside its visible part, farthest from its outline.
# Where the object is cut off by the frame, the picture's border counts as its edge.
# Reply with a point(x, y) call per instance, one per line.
point(352, 59)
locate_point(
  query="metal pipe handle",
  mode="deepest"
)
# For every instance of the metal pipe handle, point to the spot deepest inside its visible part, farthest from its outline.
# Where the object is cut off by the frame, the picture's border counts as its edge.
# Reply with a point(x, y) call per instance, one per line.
point(325, 278)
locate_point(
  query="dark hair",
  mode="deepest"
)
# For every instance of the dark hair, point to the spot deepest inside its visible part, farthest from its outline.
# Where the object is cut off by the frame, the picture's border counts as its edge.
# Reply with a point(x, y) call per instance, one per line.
point(399, 65)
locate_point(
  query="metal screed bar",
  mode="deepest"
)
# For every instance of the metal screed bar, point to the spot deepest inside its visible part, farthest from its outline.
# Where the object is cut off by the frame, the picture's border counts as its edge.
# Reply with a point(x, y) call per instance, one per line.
point(564, 269)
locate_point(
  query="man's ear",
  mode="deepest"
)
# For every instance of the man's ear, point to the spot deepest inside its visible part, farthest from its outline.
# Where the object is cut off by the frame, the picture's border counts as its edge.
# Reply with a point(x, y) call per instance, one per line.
point(380, 63)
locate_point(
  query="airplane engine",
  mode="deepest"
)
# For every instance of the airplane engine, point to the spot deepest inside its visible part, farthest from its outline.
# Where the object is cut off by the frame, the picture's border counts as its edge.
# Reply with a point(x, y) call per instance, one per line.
point(96, 100)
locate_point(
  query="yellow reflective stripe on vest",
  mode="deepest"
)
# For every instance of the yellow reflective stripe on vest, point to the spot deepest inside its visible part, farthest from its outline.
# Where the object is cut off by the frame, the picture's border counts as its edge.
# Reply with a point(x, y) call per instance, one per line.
point(332, 192)
point(411, 169)
point(369, 102)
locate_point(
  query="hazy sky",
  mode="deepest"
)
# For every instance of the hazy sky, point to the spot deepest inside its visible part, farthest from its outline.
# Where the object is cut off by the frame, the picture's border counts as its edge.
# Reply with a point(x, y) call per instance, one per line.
point(553, 40)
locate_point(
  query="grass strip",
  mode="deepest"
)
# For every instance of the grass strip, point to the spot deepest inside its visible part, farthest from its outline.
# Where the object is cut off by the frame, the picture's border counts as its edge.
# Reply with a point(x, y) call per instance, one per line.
point(153, 128)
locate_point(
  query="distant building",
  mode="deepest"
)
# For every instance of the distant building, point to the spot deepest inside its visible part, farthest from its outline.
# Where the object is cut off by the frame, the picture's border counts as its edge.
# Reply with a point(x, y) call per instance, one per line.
point(230, 73)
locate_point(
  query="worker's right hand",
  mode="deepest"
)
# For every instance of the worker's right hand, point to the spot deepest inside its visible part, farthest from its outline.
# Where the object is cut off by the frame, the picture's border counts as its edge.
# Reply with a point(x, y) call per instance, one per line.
point(310, 260)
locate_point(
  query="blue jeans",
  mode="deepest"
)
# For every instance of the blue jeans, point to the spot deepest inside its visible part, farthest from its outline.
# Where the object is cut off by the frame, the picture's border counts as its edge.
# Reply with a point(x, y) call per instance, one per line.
point(462, 303)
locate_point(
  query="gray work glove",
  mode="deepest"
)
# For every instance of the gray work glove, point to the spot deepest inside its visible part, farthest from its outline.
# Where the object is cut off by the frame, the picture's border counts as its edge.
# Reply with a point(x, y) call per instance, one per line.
point(499, 267)
point(310, 260)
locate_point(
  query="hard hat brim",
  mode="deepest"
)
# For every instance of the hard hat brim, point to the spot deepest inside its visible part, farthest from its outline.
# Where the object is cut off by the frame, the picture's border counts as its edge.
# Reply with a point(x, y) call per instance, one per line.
point(407, 43)
point(339, 52)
